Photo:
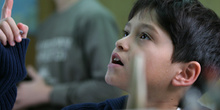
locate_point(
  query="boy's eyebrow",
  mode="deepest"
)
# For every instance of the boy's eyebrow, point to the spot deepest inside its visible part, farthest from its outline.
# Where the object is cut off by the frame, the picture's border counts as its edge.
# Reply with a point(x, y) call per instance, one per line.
point(149, 27)
point(128, 24)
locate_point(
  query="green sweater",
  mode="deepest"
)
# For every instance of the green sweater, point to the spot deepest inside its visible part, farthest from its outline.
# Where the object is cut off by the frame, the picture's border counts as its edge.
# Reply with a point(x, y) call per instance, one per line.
point(73, 50)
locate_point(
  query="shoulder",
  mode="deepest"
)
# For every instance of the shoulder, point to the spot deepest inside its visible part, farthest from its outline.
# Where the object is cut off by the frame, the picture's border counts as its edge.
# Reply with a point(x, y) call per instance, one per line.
point(110, 104)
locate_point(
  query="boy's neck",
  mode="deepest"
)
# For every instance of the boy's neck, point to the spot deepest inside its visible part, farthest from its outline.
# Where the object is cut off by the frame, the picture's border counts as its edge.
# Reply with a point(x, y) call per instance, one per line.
point(162, 106)
point(170, 101)
point(63, 5)
point(158, 103)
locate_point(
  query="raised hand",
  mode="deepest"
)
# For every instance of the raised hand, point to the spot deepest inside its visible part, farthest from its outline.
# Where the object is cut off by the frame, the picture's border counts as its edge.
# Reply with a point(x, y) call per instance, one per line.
point(9, 30)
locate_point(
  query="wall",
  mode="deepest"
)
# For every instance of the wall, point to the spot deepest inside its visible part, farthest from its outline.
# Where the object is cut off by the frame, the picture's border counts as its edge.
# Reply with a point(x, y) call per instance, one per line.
point(212, 4)
point(120, 9)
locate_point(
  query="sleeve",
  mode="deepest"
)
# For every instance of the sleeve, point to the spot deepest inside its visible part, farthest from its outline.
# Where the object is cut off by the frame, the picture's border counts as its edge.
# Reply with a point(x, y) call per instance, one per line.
point(12, 70)
point(99, 33)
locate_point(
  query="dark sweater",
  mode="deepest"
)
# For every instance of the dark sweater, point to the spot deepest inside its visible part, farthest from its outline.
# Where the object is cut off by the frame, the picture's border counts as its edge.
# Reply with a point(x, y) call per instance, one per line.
point(12, 70)
point(110, 104)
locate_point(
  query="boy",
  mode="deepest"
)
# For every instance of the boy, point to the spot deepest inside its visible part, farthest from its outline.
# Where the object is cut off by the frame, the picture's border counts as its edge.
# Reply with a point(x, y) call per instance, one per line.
point(179, 40)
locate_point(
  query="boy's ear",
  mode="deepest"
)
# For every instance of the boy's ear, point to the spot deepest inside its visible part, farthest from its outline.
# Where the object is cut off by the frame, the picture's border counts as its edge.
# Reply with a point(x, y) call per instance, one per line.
point(188, 74)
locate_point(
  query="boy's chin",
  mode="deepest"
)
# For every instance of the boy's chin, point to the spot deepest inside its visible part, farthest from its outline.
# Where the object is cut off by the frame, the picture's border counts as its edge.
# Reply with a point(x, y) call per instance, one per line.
point(108, 78)
point(114, 82)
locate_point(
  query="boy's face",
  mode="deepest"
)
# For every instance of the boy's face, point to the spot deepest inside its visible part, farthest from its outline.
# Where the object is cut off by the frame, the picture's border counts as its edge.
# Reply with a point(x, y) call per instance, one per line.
point(143, 33)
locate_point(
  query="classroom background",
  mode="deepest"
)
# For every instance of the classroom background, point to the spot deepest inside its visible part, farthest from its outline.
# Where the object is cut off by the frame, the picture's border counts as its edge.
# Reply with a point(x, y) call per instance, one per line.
point(33, 12)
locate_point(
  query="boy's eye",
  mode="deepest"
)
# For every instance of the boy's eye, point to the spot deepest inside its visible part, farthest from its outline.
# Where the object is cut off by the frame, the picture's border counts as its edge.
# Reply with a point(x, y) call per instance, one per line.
point(145, 36)
point(125, 33)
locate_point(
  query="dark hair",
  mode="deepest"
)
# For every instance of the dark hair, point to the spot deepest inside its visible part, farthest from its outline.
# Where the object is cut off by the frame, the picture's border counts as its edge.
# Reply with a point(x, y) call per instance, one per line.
point(194, 30)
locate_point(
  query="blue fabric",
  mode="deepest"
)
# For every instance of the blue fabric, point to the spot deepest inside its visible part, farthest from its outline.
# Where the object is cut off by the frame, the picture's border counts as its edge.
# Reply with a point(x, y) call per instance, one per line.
point(12, 70)
point(110, 104)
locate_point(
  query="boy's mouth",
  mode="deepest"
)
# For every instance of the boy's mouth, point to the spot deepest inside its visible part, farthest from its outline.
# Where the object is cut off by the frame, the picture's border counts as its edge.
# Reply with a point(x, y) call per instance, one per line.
point(116, 59)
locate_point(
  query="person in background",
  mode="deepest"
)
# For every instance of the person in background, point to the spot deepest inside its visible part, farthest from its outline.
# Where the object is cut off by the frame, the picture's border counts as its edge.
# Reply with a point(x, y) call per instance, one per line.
point(73, 46)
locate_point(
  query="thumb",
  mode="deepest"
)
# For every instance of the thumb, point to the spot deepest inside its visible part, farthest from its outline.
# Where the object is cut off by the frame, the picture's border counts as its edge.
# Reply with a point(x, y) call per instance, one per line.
point(32, 72)
point(24, 28)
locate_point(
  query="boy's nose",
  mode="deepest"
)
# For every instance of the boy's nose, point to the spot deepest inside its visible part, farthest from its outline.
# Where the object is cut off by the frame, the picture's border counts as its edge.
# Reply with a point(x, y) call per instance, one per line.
point(122, 44)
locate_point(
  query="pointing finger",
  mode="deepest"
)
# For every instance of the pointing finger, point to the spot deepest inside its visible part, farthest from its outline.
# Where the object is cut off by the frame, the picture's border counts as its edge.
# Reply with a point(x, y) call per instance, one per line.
point(7, 8)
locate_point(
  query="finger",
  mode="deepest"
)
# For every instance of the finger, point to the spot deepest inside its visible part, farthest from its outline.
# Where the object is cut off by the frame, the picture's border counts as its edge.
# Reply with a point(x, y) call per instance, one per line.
point(3, 38)
point(7, 8)
point(6, 29)
point(32, 72)
point(14, 28)
point(24, 28)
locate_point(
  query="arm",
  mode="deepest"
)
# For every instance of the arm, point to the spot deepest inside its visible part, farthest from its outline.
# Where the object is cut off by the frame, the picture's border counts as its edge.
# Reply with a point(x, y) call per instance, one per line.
point(12, 70)
point(12, 60)
point(12, 56)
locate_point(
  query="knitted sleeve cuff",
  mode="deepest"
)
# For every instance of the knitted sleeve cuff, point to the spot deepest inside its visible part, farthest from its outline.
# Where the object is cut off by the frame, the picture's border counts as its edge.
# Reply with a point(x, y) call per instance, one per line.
point(12, 61)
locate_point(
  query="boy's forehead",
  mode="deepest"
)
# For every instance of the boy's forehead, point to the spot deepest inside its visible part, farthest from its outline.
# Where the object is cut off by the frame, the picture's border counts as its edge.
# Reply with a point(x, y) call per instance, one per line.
point(147, 15)
point(143, 17)
point(147, 20)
